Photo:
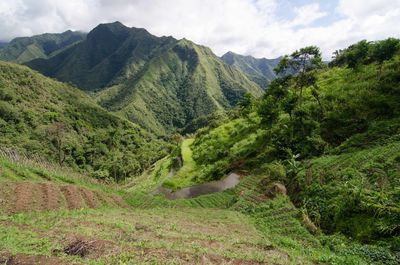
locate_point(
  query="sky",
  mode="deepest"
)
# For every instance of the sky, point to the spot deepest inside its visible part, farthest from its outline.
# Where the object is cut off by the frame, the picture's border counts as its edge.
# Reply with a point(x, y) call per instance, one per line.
point(261, 28)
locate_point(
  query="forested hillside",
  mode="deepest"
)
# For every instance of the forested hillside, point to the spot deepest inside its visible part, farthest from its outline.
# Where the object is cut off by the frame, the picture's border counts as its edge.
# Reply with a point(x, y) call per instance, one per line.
point(55, 121)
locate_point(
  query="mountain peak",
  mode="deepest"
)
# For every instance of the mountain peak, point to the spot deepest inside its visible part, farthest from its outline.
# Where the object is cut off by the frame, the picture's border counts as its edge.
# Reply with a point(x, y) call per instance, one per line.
point(115, 27)
point(115, 24)
point(229, 53)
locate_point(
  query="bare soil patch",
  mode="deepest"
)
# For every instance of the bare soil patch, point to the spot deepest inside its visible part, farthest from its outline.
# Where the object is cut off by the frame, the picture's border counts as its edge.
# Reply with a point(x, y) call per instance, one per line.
point(73, 197)
point(51, 198)
point(90, 198)
point(27, 196)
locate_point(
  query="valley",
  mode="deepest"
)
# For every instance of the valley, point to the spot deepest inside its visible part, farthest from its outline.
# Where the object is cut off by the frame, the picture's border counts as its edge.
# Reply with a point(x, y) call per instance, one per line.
point(118, 146)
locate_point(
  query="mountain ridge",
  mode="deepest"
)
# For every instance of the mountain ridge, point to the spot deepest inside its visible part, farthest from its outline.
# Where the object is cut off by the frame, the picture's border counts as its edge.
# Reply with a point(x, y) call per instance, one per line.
point(24, 49)
point(259, 70)
point(160, 83)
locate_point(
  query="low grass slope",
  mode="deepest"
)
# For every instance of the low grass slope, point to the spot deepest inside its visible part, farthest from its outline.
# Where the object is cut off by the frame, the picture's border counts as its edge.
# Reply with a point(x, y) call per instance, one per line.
point(53, 215)
point(282, 226)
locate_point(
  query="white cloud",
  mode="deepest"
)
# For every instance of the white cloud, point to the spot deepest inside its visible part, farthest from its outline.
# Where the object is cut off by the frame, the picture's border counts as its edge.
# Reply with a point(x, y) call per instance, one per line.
point(243, 26)
point(305, 15)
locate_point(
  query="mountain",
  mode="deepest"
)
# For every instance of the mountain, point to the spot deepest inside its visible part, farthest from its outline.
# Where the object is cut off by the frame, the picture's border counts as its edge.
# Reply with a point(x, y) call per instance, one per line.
point(111, 52)
point(260, 71)
point(182, 83)
point(158, 82)
point(2, 44)
point(60, 123)
point(25, 49)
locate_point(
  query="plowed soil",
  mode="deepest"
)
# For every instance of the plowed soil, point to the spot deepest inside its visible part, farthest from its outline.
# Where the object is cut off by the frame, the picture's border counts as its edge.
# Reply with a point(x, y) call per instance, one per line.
point(28, 196)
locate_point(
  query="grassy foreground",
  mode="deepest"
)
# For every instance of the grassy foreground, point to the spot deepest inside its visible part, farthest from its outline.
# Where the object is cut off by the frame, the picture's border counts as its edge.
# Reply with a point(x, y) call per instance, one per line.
point(238, 226)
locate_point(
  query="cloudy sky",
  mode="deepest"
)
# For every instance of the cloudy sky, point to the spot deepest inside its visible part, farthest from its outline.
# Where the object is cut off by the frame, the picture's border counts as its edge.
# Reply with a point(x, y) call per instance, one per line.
point(262, 28)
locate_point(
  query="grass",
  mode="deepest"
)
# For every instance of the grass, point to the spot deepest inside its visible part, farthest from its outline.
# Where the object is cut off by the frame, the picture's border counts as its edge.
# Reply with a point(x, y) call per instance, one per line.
point(187, 152)
point(151, 178)
point(184, 177)
point(171, 236)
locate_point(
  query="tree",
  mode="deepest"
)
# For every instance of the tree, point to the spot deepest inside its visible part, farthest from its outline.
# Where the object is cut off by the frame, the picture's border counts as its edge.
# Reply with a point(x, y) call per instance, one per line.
point(364, 52)
point(269, 110)
point(57, 132)
point(279, 87)
point(352, 56)
point(385, 49)
point(337, 58)
point(300, 66)
point(357, 54)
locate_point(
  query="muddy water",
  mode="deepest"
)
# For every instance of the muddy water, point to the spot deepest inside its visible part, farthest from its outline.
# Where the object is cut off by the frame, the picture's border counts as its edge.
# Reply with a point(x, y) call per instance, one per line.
point(210, 187)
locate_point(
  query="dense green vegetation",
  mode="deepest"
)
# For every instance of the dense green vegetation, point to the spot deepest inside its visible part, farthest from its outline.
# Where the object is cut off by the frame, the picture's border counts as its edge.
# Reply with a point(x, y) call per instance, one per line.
point(330, 134)
point(365, 52)
point(160, 83)
point(55, 121)
point(260, 71)
point(44, 46)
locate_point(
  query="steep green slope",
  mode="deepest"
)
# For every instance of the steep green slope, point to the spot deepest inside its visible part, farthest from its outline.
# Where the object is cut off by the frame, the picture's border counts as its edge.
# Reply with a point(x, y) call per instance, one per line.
point(336, 150)
point(159, 82)
point(260, 70)
point(25, 49)
point(180, 84)
point(111, 52)
point(58, 122)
